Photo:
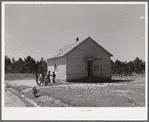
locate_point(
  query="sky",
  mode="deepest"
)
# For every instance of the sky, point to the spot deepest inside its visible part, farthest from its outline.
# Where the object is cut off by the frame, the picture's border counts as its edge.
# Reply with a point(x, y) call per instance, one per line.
point(39, 30)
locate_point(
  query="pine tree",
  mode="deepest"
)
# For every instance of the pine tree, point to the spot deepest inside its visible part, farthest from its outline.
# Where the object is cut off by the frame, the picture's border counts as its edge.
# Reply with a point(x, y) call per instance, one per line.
point(8, 67)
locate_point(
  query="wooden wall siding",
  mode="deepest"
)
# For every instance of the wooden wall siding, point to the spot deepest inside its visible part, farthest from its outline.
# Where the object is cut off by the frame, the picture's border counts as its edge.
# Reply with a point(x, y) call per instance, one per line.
point(105, 66)
point(61, 67)
point(61, 72)
point(97, 71)
point(58, 61)
point(51, 68)
point(77, 66)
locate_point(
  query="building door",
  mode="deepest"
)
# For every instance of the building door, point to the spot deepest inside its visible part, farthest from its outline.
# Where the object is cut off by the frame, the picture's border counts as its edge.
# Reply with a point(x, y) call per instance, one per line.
point(90, 68)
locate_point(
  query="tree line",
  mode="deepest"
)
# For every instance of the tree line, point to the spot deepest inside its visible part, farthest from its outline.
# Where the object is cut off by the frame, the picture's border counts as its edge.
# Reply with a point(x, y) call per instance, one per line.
point(137, 66)
point(26, 65)
point(29, 65)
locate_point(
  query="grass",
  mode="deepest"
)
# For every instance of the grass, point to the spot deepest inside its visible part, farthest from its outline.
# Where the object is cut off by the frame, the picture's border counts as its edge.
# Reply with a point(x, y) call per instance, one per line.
point(122, 92)
point(12, 77)
point(28, 104)
point(16, 86)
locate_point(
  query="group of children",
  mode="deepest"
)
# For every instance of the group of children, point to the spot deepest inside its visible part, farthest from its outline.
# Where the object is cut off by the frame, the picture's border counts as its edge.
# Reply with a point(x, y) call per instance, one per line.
point(44, 78)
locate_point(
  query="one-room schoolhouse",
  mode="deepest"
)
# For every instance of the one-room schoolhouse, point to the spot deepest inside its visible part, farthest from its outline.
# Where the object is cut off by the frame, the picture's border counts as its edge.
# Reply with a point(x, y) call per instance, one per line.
point(80, 60)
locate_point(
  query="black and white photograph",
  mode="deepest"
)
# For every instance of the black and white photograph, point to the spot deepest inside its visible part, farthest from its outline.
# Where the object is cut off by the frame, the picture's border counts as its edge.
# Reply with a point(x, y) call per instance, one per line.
point(80, 57)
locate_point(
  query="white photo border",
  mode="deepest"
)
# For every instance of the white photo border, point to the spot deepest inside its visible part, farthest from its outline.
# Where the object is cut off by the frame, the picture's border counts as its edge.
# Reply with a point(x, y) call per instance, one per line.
point(57, 113)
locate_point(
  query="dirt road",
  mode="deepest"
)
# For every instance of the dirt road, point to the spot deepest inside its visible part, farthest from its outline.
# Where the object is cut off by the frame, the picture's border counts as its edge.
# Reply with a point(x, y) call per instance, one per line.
point(118, 94)
point(16, 99)
point(12, 100)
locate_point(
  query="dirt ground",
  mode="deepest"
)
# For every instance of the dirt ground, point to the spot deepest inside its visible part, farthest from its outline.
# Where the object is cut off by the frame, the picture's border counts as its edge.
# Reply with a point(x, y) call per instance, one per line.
point(12, 100)
point(121, 92)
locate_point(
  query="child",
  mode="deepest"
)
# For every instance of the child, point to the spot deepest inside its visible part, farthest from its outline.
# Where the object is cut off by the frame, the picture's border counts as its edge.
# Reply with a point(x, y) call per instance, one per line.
point(37, 78)
point(54, 75)
point(42, 79)
point(48, 76)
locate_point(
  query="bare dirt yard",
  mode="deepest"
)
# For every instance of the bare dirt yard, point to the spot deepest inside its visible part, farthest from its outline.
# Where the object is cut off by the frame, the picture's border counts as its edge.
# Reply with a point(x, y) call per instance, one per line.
point(12, 100)
point(15, 99)
point(122, 91)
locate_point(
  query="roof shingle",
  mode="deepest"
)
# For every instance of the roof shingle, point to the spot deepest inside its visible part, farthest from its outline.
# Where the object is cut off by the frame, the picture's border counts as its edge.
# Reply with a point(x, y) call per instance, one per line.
point(63, 51)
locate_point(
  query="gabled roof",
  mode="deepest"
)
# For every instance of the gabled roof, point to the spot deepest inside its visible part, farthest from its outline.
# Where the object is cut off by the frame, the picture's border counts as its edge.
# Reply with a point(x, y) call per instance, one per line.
point(63, 51)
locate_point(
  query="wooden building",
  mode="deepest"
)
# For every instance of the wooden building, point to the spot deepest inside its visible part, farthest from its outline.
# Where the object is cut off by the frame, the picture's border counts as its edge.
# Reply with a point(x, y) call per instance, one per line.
point(81, 59)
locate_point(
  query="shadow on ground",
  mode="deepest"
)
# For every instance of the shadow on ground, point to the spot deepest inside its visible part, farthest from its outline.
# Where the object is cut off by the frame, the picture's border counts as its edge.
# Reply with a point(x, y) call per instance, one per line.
point(114, 81)
point(94, 81)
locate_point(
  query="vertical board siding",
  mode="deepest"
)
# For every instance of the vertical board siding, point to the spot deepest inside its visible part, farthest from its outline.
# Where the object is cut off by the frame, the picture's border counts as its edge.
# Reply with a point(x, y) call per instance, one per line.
point(61, 67)
point(72, 66)
point(97, 72)
point(77, 66)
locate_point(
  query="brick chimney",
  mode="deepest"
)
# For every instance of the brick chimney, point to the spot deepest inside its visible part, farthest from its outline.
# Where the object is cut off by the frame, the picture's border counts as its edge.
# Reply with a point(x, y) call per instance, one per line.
point(77, 39)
